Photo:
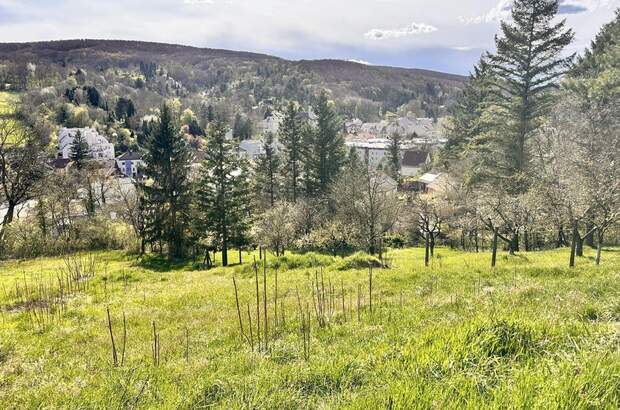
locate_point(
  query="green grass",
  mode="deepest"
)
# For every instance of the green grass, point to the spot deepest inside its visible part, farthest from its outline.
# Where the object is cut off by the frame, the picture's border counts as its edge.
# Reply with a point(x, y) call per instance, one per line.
point(531, 334)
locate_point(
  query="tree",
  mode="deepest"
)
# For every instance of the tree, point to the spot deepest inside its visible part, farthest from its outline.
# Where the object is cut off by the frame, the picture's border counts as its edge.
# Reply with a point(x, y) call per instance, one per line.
point(222, 197)
point(291, 139)
point(167, 191)
point(79, 151)
point(527, 65)
point(428, 220)
point(394, 157)
point(93, 97)
point(325, 152)
point(366, 201)
point(124, 109)
point(22, 164)
point(275, 228)
point(266, 174)
point(465, 123)
point(242, 127)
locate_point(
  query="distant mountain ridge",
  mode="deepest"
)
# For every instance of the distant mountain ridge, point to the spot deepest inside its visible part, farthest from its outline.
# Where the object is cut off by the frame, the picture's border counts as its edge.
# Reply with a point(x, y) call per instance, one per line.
point(234, 75)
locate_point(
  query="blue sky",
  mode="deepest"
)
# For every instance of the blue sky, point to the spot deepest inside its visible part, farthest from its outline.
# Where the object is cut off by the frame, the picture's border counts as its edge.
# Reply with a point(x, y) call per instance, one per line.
point(444, 35)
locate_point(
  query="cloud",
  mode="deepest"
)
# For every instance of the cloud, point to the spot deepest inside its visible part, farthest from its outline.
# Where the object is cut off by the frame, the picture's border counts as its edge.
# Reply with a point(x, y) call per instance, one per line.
point(411, 30)
point(198, 1)
point(353, 60)
point(503, 8)
point(463, 48)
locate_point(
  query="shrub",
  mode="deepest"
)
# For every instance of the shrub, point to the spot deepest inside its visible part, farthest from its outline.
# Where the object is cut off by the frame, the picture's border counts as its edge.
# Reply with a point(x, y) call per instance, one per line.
point(358, 260)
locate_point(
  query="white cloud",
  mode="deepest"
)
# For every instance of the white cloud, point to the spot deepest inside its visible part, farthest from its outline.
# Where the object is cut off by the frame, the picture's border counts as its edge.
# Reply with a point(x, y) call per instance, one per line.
point(501, 11)
point(411, 30)
point(353, 60)
point(198, 1)
point(463, 48)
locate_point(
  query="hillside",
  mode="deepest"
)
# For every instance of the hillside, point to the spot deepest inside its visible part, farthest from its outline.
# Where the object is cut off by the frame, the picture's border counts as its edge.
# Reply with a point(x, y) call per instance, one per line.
point(241, 78)
point(454, 335)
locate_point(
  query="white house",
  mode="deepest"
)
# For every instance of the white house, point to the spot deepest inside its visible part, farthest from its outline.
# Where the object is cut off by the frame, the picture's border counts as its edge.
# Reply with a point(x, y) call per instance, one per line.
point(374, 151)
point(131, 164)
point(98, 145)
point(272, 123)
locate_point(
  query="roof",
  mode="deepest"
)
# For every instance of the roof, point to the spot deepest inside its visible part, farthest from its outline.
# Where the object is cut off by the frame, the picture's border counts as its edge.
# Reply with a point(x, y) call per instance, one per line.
point(130, 156)
point(428, 178)
point(60, 163)
point(413, 158)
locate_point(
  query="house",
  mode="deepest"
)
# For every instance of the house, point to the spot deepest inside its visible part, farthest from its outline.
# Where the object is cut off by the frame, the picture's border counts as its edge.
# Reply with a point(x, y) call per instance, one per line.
point(354, 126)
point(60, 165)
point(131, 164)
point(272, 123)
point(413, 162)
point(430, 183)
point(251, 149)
point(372, 151)
point(98, 145)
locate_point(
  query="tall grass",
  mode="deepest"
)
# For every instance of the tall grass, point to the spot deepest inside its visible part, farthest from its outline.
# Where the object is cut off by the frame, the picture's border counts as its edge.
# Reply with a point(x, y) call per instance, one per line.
point(529, 334)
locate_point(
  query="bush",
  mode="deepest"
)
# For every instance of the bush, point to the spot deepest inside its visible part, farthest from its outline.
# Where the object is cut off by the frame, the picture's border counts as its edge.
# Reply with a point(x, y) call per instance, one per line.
point(25, 239)
point(358, 260)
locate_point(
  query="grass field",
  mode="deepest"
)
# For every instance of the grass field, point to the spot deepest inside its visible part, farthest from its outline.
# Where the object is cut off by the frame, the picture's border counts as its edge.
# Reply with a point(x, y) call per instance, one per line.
point(531, 334)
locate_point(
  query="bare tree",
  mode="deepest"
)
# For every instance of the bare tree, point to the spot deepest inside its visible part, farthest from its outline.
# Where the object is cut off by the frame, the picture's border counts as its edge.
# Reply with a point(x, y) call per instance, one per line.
point(22, 164)
point(368, 201)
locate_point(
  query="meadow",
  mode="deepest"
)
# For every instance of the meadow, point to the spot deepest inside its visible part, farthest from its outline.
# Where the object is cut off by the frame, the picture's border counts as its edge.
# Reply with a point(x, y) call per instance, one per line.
point(531, 333)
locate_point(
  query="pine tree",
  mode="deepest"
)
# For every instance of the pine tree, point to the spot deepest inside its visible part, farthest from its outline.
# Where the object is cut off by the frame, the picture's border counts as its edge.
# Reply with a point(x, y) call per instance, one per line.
point(394, 157)
point(325, 152)
point(527, 65)
point(290, 134)
point(167, 192)
point(465, 122)
point(267, 174)
point(80, 151)
point(222, 196)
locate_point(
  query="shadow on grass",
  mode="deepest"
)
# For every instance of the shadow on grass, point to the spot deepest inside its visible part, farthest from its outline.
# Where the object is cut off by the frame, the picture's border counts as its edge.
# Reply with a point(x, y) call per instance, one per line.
point(163, 264)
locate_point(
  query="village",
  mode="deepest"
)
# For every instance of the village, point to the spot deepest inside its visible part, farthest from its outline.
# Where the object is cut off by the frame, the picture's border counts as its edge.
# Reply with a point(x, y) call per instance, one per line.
point(422, 140)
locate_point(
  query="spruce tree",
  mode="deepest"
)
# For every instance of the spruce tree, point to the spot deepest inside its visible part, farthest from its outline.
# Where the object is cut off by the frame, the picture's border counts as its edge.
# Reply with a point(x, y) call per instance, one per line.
point(465, 123)
point(167, 192)
point(80, 151)
point(290, 136)
point(325, 152)
point(222, 196)
point(527, 65)
point(267, 174)
point(394, 157)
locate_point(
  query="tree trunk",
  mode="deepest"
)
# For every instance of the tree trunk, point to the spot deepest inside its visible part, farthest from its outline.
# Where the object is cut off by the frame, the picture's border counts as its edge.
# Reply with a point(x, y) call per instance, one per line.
point(561, 240)
point(579, 245)
point(8, 218)
point(573, 245)
point(426, 249)
point(432, 245)
point(494, 249)
point(476, 241)
point(599, 246)
point(589, 238)
point(224, 250)
point(240, 259)
point(513, 246)
point(526, 240)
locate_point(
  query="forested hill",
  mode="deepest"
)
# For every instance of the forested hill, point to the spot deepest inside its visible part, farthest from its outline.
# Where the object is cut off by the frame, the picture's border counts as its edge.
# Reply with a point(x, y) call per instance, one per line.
point(241, 79)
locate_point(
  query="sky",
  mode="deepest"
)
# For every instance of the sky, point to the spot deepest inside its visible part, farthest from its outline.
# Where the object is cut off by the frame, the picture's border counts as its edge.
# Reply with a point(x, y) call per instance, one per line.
point(443, 35)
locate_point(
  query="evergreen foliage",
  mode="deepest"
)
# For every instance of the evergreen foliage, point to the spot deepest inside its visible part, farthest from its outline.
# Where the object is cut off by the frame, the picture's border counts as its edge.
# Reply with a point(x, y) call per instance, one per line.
point(167, 193)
